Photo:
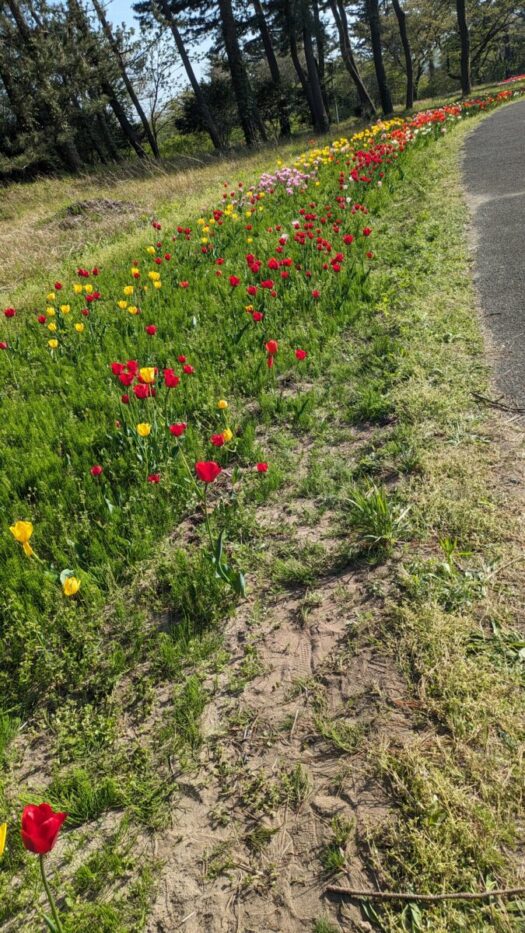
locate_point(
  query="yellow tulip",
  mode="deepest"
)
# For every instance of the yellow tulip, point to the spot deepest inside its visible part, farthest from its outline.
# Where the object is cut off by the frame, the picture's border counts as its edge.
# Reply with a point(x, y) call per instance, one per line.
point(133, 309)
point(65, 309)
point(71, 585)
point(77, 288)
point(22, 532)
point(88, 288)
point(222, 404)
point(150, 250)
point(122, 305)
point(147, 374)
point(144, 429)
point(153, 275)
point(51, 296)
point(249, 239)
point(53, 344)
point(3, 834)
point(157, 284)
point(52, 326)
point(79, 328)
point(227, 435)
point(128, 289)
point(50, 312)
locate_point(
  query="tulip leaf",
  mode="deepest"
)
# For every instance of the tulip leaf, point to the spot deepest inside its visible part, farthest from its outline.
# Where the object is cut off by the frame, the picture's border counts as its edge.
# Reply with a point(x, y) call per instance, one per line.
point(50, 924)
point(111, 507)
point(219, 548)
point(238, 582)
point(64, 575)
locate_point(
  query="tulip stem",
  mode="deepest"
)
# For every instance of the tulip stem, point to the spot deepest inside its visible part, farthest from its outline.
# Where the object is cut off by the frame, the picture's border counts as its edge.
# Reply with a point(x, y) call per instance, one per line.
point(207, 517)
point(56, 918)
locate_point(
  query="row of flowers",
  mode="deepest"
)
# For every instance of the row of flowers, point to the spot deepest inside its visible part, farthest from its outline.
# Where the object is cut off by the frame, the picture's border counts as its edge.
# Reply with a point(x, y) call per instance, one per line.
point(285, 270)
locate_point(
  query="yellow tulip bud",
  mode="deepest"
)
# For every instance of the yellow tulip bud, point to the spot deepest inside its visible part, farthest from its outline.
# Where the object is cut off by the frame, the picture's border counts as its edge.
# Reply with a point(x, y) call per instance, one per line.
point(147, 374)
point(71, 586)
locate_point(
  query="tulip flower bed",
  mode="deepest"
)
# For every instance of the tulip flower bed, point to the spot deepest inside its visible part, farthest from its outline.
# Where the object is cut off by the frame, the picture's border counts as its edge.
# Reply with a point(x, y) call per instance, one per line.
point(142, 403)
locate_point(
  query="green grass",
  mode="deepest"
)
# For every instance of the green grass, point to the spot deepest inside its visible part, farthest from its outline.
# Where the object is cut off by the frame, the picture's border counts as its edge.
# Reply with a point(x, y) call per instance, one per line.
point(117, 680)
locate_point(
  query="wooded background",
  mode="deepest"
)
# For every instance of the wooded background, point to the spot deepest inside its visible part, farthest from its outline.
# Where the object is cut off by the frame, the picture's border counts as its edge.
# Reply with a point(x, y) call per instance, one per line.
point(76, 91)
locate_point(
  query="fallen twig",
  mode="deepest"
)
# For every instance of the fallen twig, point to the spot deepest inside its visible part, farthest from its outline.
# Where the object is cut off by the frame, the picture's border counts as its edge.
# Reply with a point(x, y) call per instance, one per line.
point(425, 898)
point(496, 403)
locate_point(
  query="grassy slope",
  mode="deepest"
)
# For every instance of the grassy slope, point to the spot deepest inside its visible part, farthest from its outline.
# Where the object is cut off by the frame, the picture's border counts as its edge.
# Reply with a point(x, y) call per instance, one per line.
point(407, 372)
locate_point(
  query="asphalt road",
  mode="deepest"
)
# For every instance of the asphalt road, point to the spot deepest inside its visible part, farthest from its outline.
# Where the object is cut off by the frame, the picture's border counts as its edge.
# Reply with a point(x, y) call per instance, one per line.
point(494, 179)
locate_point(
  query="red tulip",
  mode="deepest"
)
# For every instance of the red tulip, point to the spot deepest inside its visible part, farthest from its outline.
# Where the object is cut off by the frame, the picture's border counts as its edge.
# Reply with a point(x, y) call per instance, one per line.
point(96, 470)
point(181, 358)
point(9, 312)
point(367, 231)
point(234, 281)
point(116, 368)
point(257, 316)
point(301, 354)
point(171, 381)
point(151, 330)
point(126, 378)
point(178, 429)
point(316, 294)
point(217, 440)
point(154, 478)
point(41, 826)
point(188, 370)
point(143, 391)
point(207, 471)
point(3, 345)
point(348, 239)
point(124, 399)
point(184, 284)
point(262, 467)
point(41, 319)
point(268, 283)
point(58, 286)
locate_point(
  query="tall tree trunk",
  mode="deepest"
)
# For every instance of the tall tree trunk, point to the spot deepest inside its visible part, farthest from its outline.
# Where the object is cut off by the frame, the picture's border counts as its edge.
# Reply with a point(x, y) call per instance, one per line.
point(321, 121)
point(99, 9)
point(107, 88)
point(284, 118)
point(372, 12)
point(168, 18)
point(321, 59)
point(464, 39)
point(365, 101)
point(291, 29)
point(250, 120)
point(409, 68)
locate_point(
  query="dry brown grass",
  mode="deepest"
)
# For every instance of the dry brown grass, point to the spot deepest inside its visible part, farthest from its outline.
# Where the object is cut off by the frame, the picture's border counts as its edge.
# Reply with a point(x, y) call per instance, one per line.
point(36, 243)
